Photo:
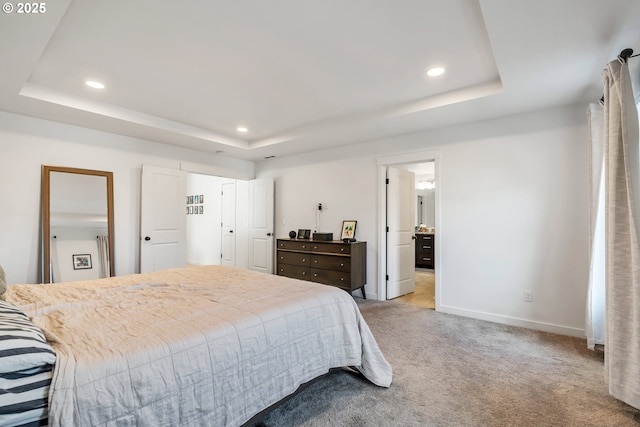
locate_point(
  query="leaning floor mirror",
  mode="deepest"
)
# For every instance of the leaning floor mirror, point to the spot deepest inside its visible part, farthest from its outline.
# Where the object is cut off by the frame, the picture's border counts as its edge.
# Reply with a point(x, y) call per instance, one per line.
point(77, 224)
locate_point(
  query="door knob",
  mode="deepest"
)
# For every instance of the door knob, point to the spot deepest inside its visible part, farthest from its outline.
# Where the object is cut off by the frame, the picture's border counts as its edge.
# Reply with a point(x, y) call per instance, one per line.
point(230, 231)
point(269, 234)
point(147, 238)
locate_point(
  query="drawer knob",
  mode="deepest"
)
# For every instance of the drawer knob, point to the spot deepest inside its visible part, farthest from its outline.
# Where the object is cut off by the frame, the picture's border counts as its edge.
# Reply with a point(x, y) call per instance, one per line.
point(341, 249)
point(342, 279)
point(315, 274)
point(315, 261)
point(341, 265)
point(304, 273)
point(303, 260)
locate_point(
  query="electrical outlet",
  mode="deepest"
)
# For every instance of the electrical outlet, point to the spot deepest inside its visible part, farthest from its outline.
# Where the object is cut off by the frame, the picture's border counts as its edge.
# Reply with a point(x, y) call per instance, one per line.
point(528, 296)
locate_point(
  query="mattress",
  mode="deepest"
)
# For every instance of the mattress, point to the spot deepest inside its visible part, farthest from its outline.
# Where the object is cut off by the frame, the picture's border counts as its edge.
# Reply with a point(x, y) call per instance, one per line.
point(208, 345)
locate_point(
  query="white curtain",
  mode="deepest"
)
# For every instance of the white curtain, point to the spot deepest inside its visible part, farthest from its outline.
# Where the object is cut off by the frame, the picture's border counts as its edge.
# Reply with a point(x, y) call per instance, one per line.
point(595, 312)
point(622, 211)
point(103, 256)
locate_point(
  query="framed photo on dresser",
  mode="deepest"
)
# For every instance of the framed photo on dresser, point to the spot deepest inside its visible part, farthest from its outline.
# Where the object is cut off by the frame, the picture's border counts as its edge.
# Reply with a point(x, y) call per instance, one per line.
point(348, 230)
point(304, 233)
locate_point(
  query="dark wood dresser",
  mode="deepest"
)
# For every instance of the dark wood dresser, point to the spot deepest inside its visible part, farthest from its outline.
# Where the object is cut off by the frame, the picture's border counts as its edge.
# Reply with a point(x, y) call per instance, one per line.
point(425, 250)
point(331, 263)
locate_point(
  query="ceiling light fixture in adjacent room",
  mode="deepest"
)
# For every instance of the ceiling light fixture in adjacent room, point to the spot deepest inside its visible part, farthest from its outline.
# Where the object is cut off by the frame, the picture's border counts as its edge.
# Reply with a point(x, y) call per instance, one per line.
point(426, 185)
point(94, 84)
point(242, 129)
point(435, 72)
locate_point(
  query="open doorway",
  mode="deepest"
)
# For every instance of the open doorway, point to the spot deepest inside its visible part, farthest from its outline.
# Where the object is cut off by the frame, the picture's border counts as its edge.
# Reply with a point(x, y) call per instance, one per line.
point(230, 222)
point(425, 222)
point(171, 237)
point(424, 294)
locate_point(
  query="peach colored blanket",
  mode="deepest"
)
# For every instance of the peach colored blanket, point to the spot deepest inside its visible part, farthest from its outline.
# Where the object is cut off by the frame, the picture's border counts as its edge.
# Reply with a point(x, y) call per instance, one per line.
point(208, 345)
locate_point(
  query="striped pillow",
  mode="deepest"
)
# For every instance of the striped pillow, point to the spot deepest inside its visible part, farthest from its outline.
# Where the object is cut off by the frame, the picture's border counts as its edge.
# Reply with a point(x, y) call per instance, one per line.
point(24, 397)
point(22, 344)
point(26, 365)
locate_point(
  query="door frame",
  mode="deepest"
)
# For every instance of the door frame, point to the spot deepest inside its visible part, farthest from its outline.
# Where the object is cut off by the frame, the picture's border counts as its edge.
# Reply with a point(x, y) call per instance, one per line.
point(402, 159)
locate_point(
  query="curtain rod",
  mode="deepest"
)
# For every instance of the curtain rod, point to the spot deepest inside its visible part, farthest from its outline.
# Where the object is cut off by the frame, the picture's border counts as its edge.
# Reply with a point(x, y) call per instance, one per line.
point(626, 54)
point(624, 57)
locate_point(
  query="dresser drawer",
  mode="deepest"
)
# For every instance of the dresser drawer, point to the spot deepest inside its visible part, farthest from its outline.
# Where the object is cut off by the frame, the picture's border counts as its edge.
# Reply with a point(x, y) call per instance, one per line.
point(294, 271)
point(425, 259)
point(333, 248)
point(331, 262)
point(295, 245)
point(424, 248)
point(424, 238)
point(328, 277)
point(294, 258)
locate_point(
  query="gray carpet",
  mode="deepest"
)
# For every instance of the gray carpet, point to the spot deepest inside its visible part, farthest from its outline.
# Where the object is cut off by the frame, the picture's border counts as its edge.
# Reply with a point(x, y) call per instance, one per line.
point(453, 371)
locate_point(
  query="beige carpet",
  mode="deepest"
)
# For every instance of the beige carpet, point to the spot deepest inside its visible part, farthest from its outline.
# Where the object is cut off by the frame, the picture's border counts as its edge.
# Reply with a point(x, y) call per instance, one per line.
point(454, 371)
point(425, 293)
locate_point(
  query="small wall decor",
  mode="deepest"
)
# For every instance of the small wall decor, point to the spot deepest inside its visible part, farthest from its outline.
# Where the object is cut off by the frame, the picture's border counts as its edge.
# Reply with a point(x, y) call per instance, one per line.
point(196, 199)
point(349, 231)
point(82, 262)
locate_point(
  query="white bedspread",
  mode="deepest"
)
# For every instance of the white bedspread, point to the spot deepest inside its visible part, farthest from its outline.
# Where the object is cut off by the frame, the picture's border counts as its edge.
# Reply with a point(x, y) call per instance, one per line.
point(196, 346)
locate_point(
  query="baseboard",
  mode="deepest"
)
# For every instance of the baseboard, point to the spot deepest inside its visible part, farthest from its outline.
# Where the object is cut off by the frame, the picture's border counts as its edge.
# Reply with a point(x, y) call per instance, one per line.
point(514, 321)
point(370, 295)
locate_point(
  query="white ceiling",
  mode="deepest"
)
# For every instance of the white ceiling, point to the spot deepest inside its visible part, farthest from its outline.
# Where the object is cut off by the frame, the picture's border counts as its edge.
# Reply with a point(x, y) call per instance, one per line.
point(303, 75)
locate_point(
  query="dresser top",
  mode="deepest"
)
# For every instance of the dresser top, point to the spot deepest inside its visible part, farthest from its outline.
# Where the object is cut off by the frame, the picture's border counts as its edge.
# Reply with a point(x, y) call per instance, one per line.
point(319, 241)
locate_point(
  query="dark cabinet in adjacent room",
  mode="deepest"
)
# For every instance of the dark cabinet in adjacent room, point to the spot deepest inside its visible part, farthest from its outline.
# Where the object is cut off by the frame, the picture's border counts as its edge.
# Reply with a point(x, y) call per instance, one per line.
point(425, 250)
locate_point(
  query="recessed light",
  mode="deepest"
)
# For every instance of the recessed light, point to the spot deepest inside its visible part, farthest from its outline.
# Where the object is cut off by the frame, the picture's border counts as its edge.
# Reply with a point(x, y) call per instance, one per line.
point(94, 84)
point(242, 129)
point(435, 72)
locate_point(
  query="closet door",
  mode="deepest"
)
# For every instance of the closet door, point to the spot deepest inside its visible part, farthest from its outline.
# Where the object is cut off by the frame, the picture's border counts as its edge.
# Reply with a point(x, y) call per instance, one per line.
point(261, 225)
point(162, 219)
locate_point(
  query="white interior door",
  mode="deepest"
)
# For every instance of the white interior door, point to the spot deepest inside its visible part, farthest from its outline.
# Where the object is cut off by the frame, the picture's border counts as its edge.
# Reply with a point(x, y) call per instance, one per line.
point(162, 219)
point(228, 255)
point(400, 232)
point(261, 213)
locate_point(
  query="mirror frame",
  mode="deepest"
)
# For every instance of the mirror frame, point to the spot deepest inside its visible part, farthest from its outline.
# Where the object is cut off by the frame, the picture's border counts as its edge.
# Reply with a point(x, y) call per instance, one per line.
point(46, 215)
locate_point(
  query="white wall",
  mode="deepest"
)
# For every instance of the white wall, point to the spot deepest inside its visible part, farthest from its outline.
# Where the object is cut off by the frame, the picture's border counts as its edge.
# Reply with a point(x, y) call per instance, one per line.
point(513, 212)
point(28, 143)
point(203, 230)
point(512, 204)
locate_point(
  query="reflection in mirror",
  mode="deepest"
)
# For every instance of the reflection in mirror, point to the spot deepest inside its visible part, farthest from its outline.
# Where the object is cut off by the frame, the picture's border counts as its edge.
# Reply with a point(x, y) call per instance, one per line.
point(77, 224)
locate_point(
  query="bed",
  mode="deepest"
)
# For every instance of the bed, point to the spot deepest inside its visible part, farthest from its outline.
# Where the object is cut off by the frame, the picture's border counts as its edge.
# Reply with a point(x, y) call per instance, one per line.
point(206, 345)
